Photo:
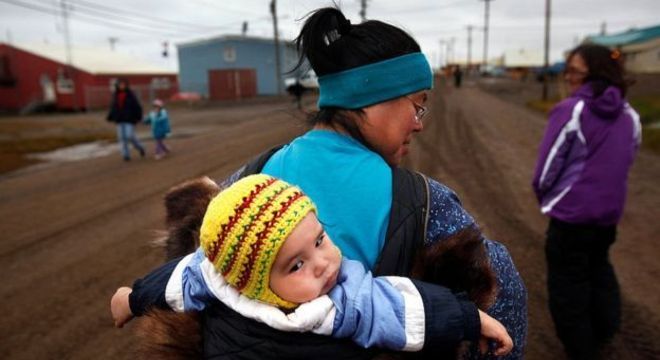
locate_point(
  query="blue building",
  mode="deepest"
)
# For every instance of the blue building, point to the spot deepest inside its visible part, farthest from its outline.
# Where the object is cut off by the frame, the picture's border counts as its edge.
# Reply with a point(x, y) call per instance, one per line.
point(640, 48)
point(198, 59)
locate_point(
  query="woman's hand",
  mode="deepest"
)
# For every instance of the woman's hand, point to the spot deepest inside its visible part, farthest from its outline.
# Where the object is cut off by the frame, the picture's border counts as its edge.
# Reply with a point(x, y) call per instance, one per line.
point(121, 310)
point(492, 329)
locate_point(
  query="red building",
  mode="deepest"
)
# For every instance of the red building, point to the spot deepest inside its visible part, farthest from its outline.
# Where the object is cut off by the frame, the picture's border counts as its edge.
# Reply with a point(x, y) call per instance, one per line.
point(38, 75)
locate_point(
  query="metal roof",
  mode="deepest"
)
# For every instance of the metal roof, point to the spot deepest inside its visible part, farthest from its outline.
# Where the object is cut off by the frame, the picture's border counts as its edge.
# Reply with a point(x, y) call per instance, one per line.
point(628, 37)
point(95, 60)
point(222, 38)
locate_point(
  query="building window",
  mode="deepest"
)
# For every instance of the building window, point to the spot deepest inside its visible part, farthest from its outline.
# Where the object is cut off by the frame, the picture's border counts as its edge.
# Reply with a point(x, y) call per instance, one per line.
point(160, 83)
point(229, 54)
point(64, 82)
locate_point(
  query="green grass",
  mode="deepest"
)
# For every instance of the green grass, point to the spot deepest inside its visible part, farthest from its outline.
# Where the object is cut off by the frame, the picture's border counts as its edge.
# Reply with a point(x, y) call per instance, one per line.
point(648, 108)
point(651, 139)
point(542, 106)
point(14, 152)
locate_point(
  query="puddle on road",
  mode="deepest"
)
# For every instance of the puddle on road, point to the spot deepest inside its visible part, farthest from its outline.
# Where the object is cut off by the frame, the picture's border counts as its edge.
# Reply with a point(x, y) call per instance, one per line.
point(102, 148)
point(78, 152)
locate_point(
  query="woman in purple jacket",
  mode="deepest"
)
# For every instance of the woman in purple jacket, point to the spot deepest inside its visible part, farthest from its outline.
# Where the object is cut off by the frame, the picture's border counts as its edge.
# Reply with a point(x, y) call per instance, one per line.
point(580, 183)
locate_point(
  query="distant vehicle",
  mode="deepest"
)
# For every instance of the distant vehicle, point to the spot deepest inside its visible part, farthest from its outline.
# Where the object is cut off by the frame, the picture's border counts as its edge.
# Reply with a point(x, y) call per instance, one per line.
point(554, 70)
point(308, 81)
point(492, 70)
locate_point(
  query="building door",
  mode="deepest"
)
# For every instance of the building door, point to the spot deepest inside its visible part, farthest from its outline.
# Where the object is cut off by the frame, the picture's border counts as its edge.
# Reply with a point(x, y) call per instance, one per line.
point(47, 89)
point(232, 84)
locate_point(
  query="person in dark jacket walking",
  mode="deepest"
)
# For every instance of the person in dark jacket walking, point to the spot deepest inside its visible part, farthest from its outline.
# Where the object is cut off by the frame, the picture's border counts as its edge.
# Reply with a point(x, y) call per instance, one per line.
point(125, 111)
point(580, 182)
point(458, 76)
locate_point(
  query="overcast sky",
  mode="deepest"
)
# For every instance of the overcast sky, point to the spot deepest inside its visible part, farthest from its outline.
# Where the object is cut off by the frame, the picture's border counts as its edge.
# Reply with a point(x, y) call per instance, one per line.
point(141, 26)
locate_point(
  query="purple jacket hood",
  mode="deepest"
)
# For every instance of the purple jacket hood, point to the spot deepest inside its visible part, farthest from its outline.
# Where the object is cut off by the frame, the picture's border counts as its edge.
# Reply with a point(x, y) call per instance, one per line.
point(607, 106)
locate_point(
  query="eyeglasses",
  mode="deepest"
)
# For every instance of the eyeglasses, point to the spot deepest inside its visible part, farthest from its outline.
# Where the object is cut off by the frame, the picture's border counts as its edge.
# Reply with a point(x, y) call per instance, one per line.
point(571, 71)
point(420, 110)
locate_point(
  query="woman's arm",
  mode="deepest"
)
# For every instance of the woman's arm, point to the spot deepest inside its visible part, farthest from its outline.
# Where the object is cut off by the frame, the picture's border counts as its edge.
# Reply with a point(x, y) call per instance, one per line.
point(562, 131)
point(399, 313)
point(458, 256)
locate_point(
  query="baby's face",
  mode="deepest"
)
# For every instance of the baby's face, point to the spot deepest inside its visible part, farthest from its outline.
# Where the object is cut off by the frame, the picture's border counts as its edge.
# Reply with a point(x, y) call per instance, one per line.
point(307, 264)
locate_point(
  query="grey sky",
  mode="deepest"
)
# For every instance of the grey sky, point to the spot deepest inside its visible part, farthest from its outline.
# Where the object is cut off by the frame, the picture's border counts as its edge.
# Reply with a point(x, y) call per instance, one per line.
point(515, 24)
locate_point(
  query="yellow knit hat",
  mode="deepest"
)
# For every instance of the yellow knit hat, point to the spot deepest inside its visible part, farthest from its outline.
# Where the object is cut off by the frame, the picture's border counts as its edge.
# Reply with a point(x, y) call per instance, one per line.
point(244, 228)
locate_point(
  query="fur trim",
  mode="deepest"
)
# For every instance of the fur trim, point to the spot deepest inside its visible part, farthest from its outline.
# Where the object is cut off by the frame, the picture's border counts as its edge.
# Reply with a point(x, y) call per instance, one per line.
point(460, 263)
point(165, 334)
point(168, 335)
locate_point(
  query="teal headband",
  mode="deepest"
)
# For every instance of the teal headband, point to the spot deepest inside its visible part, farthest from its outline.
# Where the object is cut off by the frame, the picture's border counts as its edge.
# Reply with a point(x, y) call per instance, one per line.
point(374, 83)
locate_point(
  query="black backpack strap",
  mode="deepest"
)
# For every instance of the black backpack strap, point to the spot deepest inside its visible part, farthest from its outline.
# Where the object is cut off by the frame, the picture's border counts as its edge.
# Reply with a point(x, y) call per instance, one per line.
point(406, 229)
point(255, 165)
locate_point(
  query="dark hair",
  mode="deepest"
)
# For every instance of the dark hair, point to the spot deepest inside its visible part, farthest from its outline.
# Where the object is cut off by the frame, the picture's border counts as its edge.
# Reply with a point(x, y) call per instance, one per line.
point(331, 44)
point(605, 67)
point(119, 81)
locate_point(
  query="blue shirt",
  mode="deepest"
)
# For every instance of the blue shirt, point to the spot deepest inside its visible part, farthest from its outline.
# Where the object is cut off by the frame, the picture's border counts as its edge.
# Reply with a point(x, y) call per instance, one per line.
point(354, 203)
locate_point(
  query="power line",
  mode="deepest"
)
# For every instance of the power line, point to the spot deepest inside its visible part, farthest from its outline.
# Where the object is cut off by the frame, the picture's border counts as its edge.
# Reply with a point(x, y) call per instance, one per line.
point(116, 23)
point(91, 20)
point(139, 17)
point(223, 8)
point(426, 8)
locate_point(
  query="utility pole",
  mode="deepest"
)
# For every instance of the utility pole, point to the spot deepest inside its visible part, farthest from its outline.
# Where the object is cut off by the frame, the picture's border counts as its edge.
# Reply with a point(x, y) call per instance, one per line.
point(442, 54)
point(363, 10)
point(452, 44)
point(486, 18)
point(112, 40)
point(278, 72)
point(69, 58)
point(546, 57)
point(244, 28)
point(469, 47)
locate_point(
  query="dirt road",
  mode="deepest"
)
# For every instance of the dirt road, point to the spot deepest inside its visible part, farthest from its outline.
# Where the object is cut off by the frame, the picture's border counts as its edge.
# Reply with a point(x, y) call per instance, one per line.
point(72, 233)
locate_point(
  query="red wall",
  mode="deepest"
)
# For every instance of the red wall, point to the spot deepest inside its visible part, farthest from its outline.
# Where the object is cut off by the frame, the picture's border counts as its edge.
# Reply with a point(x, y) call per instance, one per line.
point(27, 69)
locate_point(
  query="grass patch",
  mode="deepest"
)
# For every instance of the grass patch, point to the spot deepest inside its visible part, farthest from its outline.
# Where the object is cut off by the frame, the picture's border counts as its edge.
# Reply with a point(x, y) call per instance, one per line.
point(648, 108)
point(49, 143)
point(15, 146)
point(651, 139)
point(542, 106)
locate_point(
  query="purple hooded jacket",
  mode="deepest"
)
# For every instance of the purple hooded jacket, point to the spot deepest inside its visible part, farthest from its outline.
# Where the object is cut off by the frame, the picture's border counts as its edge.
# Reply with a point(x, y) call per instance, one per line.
point(588, 147)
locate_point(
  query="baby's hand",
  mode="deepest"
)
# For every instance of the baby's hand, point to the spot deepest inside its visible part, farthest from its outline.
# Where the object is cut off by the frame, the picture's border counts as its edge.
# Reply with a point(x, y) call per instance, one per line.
point(121, 310)
point(492, 329)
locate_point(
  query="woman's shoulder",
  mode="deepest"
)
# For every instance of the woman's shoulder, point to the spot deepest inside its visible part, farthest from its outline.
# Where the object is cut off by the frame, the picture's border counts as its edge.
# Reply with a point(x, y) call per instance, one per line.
point(446, 213)
point(565, 106)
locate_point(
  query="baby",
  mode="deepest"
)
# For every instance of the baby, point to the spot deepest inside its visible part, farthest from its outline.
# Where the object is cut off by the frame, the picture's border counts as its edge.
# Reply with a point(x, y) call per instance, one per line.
point(264, 254)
